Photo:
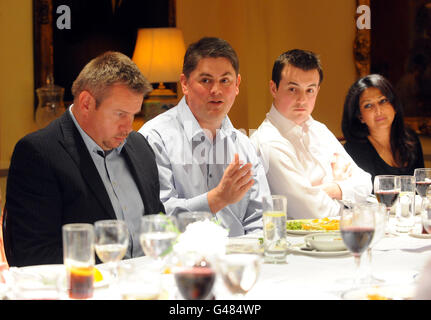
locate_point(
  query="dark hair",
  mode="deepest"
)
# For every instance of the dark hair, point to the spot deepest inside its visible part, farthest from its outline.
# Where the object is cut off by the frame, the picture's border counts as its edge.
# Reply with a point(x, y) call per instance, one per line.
point(209, 47)
point(302, 59)
point(402, 140)
point(106, 70)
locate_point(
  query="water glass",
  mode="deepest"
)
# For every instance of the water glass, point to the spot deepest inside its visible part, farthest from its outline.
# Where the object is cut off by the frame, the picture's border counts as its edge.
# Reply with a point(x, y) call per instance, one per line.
point(405, 207)
point(274, 228)
point(426, 214)
point(158, 233)
point(78, 257)
point(139, 282)
point(185, 218)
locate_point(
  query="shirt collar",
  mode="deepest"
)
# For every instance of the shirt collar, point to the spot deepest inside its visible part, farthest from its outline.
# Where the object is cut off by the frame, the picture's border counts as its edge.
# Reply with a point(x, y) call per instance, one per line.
point(89, 142)
point(192, 127)
point(285, 125)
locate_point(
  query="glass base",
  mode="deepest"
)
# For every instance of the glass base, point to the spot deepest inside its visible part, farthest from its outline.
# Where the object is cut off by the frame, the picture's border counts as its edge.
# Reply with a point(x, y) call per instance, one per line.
point(371, 280)
point(275, 258)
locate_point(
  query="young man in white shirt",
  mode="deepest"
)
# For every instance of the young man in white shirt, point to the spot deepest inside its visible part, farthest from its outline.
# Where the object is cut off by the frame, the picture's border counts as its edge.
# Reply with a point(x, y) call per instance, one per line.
point(303, 160)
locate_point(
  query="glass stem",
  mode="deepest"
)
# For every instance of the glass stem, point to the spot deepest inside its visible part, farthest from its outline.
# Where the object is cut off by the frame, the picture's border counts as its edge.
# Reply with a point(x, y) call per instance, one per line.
point(358, 267)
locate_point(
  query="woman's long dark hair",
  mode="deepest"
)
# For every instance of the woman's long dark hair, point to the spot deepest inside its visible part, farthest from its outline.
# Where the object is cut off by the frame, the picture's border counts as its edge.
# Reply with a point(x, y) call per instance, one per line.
point(402, 139)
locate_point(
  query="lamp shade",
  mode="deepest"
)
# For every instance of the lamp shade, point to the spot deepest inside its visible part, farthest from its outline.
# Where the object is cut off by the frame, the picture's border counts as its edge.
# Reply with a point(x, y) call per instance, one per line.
point(159, 54)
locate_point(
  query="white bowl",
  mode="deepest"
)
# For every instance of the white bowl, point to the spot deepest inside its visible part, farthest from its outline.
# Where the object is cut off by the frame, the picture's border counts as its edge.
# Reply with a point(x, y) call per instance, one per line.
point(325, 241)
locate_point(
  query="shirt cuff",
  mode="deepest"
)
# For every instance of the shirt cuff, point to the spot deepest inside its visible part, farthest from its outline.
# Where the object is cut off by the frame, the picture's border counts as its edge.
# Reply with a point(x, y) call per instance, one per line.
point(346, 192)
point(199, 203)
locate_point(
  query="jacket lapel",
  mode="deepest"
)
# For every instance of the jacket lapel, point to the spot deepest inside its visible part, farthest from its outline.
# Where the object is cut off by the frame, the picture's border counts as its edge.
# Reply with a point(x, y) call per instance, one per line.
point(138, 171)
point(78, 151)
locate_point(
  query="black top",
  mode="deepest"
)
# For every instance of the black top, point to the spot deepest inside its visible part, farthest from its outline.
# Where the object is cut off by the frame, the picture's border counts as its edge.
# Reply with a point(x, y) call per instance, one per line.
point(367, 158)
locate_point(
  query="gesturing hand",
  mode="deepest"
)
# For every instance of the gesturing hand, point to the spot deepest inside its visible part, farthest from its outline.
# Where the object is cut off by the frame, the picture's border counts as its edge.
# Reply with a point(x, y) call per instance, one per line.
point(236, 181)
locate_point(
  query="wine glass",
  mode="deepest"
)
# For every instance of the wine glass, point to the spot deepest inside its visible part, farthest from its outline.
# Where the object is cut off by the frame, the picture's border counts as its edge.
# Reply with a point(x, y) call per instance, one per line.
point(158, 234)
point(111, 242)
point(239, 272)
point(357, 230)
point(423, 181)
point(381, 217)
point(387, 189)
point(194, 276)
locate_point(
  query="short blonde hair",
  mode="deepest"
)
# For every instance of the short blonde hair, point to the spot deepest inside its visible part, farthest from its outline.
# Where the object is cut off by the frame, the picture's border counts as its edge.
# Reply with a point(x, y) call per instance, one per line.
point(106, 70)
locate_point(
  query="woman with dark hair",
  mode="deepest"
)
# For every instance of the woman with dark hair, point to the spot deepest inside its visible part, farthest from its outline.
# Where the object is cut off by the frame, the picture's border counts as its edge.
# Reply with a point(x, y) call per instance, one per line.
point(373, 126)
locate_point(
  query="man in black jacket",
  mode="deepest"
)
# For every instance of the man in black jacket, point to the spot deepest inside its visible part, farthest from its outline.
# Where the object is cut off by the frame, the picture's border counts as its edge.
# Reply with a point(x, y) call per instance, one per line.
point(87, 165)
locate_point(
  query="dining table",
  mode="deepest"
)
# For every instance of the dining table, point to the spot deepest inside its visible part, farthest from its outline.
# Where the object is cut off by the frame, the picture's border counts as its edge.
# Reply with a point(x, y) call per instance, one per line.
point(398, 259)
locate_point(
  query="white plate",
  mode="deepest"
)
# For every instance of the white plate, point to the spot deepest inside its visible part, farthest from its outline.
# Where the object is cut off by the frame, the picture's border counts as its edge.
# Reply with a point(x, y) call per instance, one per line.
point(420, 235)
point(49, 274)
point(244, 245)
point(386, 292)
point(305, 232)
point(296, 248)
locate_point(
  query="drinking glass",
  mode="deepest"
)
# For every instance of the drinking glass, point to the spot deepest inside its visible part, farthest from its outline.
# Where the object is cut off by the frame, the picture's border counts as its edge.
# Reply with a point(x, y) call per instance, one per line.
point(78, 257)
point(381, 220)
point(423, 181)
point(239, 272)
point(139, 282)
point(194, 276)
point(158, 234)
point(185, 218)
point(426, 215)
point(357, 230)
point(387, 189)
point(405, 208)
point(112, 240)
point(274, 228)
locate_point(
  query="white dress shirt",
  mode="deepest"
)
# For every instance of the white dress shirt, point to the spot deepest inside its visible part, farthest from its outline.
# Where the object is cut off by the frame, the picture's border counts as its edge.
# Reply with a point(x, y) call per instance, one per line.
point(120, 186)
point(190, 165)
point(297, 159)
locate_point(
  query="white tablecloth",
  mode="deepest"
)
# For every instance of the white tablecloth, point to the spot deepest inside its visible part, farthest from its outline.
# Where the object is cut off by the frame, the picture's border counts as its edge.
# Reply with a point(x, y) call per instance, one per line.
point(398, 259)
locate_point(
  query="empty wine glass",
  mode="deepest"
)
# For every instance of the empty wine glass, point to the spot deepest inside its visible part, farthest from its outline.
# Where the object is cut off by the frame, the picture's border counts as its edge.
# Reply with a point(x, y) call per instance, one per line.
point(158, 234)
point(387, 189)
point(111, 242)
point(239, 272)
point(381, 218)
point(357, 230)
point(423, 181)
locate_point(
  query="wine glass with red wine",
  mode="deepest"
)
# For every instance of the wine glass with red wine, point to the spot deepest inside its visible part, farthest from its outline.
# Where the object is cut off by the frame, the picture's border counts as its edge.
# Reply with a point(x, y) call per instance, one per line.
point(194, 277)
point(423, 181)
point(387, 189)
point(357, 227)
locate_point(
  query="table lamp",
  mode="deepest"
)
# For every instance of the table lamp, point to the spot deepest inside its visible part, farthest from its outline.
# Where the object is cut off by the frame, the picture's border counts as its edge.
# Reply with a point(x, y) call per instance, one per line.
point(159, 54)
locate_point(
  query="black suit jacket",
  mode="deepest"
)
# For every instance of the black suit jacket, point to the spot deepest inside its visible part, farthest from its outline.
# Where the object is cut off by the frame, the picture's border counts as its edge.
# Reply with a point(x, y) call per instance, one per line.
point(53, 181)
